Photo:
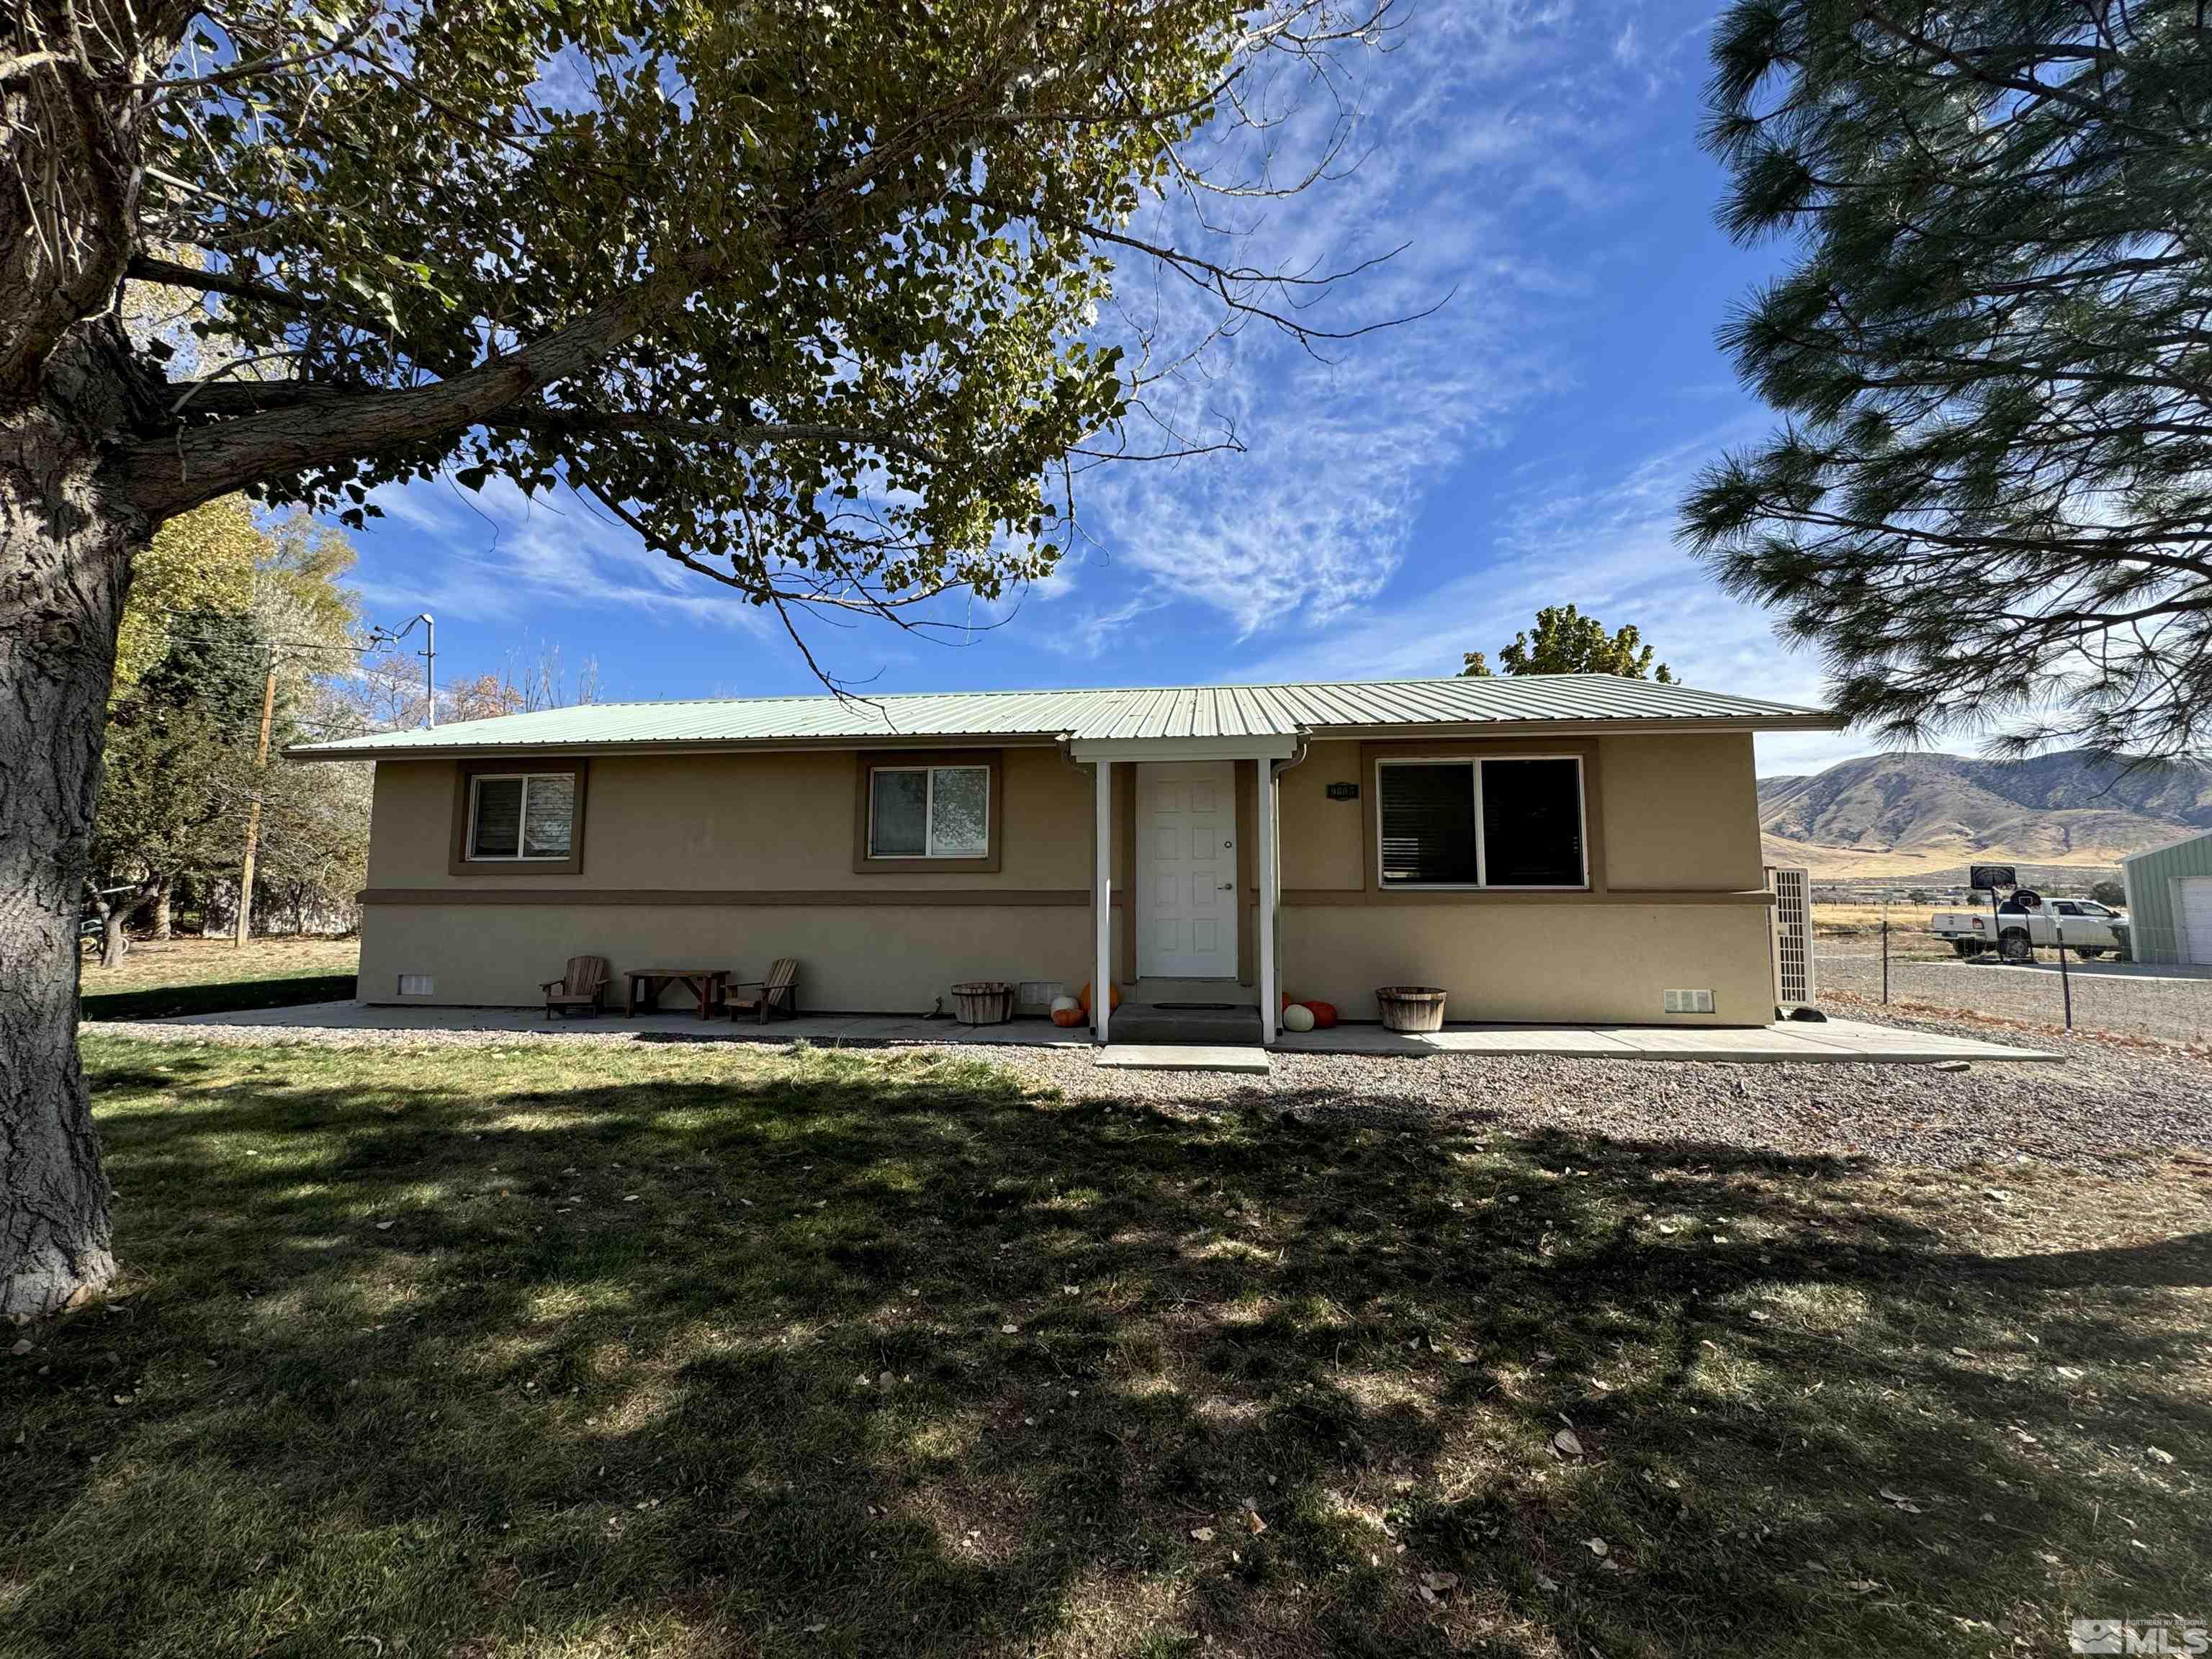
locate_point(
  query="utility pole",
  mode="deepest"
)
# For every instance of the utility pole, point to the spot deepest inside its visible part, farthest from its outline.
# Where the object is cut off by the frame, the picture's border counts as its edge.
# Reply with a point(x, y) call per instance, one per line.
point(254, 812)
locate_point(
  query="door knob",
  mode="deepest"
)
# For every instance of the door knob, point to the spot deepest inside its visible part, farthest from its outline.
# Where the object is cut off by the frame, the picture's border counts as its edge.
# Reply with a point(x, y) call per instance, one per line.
point(1228, 886)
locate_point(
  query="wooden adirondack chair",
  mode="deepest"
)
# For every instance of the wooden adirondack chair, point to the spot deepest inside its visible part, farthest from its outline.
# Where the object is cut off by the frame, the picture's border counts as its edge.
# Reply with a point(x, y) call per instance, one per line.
point(776, 994)
point(579, 988)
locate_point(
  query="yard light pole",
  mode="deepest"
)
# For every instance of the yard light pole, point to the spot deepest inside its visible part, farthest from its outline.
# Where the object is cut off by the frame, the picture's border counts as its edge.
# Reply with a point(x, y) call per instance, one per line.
point(429, 653)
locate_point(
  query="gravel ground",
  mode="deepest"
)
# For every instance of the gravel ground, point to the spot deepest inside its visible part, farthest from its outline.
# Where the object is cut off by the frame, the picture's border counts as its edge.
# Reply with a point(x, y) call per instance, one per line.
point(2178, 1011)
point(2110, 1103)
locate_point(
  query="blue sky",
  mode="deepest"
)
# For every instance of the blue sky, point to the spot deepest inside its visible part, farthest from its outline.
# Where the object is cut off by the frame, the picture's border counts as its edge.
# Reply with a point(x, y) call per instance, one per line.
point(1418, 497)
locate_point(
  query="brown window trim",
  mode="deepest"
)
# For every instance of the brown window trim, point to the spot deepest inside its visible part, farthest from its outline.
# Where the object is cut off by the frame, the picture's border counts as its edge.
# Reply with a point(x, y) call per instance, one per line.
point(464, 776)
point(869, 759)
point(1371, 889)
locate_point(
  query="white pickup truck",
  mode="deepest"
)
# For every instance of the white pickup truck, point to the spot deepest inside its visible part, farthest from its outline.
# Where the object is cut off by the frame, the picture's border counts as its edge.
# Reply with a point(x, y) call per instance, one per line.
point(2091, 929)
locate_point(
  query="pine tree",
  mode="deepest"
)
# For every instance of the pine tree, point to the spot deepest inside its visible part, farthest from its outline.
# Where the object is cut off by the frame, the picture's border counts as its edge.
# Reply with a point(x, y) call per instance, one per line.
point(1991, 498)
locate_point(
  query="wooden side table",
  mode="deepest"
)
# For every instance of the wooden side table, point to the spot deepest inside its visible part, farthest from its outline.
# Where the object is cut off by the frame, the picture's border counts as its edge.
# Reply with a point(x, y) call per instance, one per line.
point(645, 984)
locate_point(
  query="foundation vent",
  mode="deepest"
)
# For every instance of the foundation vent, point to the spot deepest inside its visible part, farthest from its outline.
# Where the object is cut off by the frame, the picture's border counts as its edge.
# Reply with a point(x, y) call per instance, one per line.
point(1037, 996)
point(417, 985)
point(1688, 1002)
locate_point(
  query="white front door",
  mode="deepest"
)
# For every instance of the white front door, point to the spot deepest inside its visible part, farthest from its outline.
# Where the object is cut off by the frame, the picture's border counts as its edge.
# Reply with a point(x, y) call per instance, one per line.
point(1187, 869)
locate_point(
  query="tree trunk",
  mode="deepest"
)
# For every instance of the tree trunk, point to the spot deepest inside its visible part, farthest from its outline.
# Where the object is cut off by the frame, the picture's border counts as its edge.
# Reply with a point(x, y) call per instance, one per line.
point(164, 905)
point(66, 546)
point(114, 942)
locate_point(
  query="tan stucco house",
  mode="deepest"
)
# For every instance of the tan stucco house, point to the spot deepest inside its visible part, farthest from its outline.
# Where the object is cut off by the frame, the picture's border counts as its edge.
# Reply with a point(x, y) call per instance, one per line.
point(1564, 848)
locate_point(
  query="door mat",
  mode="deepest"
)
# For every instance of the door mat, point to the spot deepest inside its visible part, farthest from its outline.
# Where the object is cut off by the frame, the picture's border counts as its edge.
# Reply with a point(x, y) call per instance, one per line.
point(1200, 1007)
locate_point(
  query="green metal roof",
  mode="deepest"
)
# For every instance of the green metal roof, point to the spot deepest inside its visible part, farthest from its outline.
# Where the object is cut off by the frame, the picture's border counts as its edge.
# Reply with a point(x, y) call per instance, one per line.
point(1359, 707)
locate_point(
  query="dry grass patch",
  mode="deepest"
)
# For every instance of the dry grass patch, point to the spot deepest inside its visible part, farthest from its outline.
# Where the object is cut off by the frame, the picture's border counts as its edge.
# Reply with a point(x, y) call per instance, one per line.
point(154, 964)
point(551, 1350)
point(158, 979)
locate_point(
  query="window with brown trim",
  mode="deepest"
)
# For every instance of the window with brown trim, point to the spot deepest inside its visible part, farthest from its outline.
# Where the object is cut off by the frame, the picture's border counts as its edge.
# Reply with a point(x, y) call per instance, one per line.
point(522, 814)
point(928, 812)
point(519, 817)
point(1506, 821)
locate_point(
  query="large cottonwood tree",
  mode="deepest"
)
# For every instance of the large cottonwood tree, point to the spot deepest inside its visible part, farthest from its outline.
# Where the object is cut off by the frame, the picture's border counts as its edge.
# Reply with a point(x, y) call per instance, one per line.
point(813, 297)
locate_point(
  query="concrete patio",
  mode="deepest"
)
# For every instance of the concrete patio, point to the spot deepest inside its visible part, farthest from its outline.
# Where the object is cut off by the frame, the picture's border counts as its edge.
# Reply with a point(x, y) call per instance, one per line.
point(1834, 1041)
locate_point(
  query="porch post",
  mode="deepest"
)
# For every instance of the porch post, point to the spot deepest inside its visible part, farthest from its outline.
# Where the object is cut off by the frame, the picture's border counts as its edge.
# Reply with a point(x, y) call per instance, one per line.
point(1268, 1008)
point(1101, 889)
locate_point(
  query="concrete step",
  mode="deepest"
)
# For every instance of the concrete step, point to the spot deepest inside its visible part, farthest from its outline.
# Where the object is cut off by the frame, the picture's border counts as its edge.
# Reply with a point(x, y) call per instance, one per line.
point(1180, 1057)
point(1147, 1023)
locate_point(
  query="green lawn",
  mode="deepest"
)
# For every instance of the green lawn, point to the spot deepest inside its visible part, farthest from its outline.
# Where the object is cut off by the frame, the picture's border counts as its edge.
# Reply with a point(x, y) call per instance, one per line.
point(676, 1350)
point(158, 979)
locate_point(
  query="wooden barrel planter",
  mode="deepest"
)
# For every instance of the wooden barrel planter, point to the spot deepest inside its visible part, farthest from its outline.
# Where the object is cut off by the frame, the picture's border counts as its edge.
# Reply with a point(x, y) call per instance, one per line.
point(983, 1002)
point(1412, 1007)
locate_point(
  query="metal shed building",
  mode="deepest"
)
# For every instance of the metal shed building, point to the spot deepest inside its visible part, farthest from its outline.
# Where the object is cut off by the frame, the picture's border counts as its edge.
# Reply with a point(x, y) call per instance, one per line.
point(2170, 901)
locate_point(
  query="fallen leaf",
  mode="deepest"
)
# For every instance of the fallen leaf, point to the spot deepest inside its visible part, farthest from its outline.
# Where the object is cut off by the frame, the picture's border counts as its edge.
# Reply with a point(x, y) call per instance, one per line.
point(23, 1347)
point(2157, 1454)
point(1566, 1444)
point(1204, 1535)
point(1596, 1547)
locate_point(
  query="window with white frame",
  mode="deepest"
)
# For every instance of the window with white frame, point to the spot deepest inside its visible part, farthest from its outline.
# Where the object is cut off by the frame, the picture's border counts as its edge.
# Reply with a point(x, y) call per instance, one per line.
point(929, 811)
point(1513, 821)
point(521, 816)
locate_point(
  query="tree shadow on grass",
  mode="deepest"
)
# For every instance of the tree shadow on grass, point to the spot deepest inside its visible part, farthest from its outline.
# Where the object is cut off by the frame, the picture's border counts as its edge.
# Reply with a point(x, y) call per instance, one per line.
point(849, 1353)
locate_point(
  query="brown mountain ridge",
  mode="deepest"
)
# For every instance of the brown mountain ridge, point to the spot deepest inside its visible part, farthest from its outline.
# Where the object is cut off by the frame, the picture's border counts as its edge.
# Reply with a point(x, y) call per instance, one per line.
point(1919, 813)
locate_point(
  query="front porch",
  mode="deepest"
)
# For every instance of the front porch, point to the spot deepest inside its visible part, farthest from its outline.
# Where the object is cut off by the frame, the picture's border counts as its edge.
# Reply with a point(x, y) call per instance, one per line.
point(1191, 825)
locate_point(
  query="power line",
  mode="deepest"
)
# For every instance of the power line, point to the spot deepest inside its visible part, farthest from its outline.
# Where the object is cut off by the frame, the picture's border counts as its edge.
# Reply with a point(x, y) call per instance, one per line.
point(258, 646)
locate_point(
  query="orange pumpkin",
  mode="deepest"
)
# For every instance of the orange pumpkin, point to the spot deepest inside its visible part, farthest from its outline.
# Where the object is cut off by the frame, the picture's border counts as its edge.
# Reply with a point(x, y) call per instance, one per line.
point(1069, 1017)
point(1113, 996)
point(1324, 1014)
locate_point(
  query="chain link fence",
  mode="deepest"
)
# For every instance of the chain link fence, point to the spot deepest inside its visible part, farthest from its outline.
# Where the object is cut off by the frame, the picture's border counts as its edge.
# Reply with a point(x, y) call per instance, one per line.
point(1906, 966)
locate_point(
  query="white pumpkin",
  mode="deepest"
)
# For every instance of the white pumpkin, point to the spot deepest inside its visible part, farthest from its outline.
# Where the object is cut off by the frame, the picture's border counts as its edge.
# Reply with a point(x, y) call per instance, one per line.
point(1297, 1017)
point(1062, 1005)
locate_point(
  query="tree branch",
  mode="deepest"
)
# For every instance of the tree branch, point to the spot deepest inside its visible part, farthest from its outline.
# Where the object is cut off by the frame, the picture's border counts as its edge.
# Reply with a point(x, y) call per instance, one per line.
point(200, 463)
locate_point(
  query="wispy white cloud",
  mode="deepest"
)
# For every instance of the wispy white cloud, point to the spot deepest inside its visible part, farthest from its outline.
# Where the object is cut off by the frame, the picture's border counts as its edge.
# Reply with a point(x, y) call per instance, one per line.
point(1481, 110)
point(500, 557)
point(1607, 545)
point(1088, 633)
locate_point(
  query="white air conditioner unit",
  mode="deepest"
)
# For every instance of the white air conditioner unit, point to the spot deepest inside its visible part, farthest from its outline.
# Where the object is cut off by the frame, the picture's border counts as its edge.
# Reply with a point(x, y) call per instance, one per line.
point(1792, 888)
